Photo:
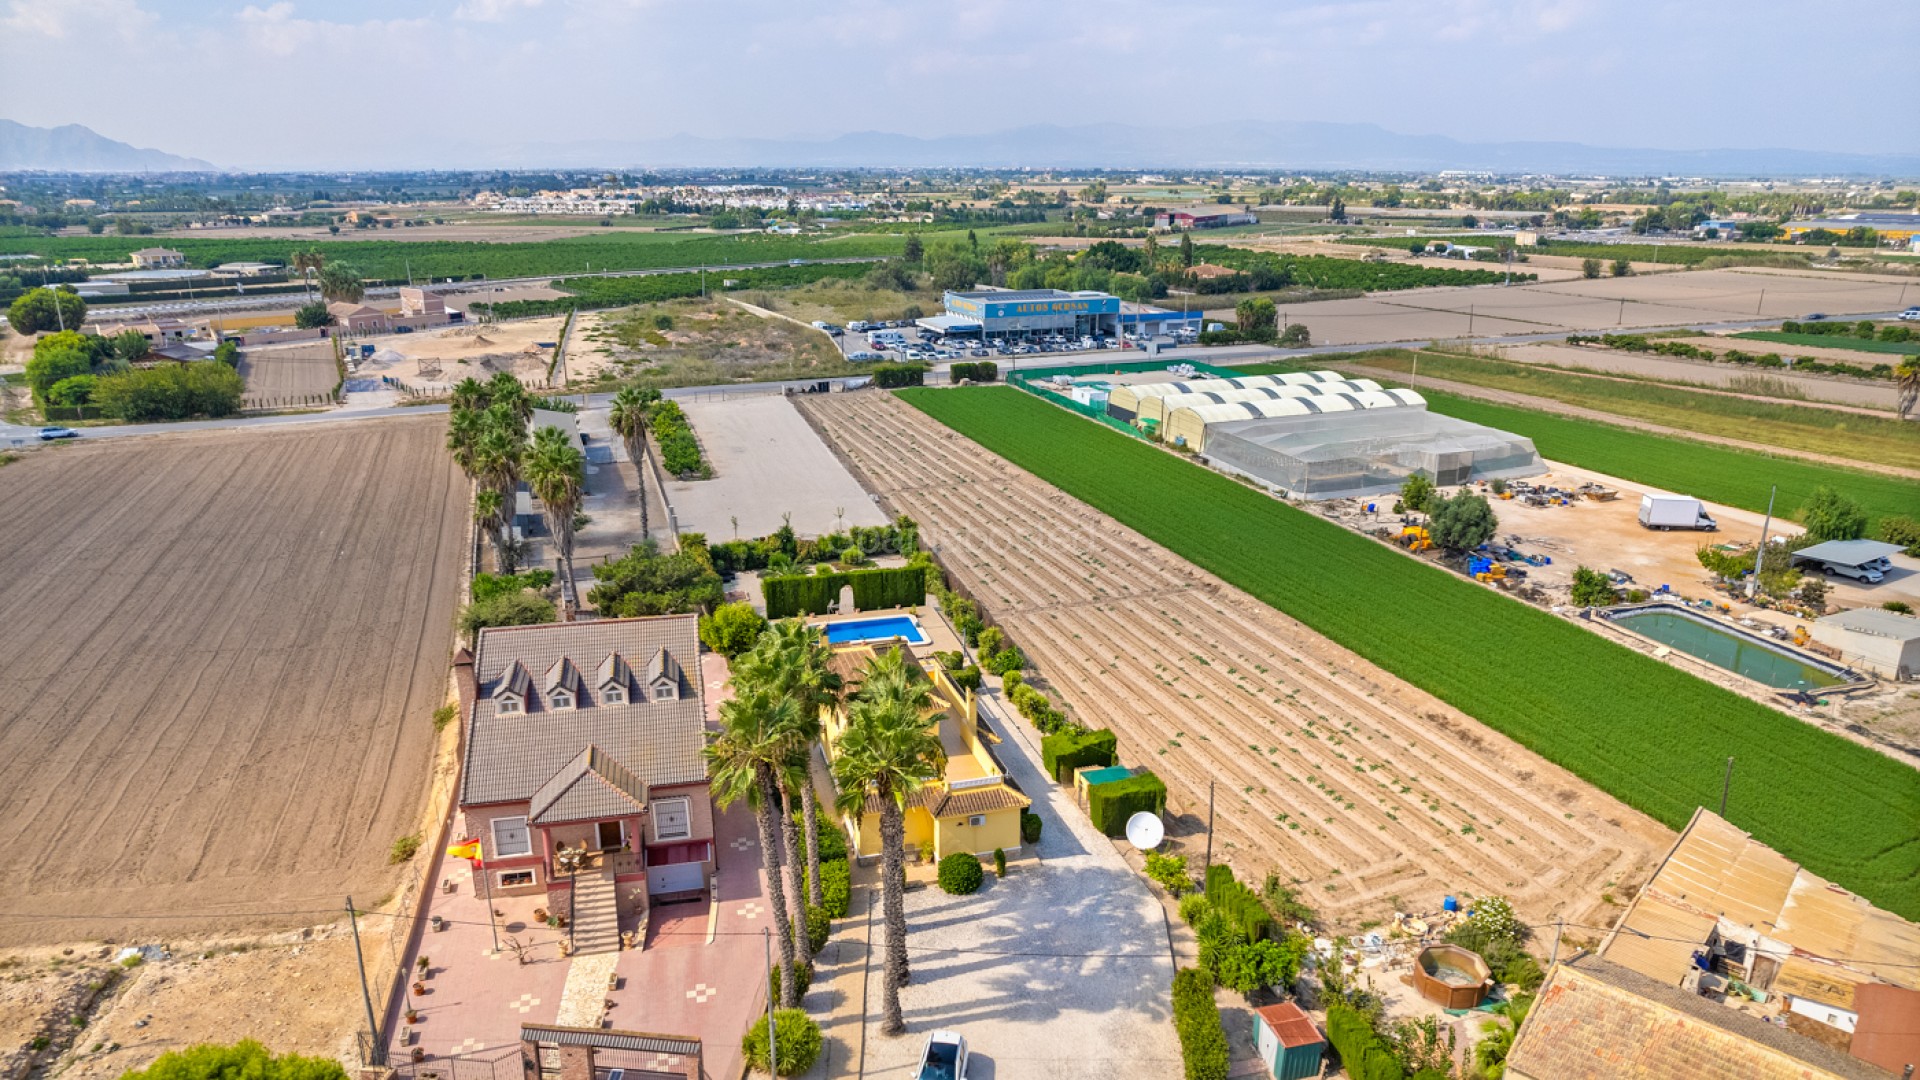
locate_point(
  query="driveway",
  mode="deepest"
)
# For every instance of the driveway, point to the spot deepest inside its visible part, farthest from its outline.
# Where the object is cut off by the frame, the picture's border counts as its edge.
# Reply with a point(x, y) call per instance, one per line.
point(1060, 971)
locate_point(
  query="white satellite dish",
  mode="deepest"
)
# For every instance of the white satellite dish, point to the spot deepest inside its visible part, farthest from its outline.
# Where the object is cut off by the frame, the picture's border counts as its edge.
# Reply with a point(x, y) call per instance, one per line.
point(1145, 831)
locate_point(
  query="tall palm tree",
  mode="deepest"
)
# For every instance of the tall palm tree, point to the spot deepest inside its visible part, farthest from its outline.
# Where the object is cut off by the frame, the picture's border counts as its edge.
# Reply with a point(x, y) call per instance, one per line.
point(486, 511)
point(464, 427)
point(497, 456)
point(470, 395)
point(745, 757)
point(888, 752)
point(1908, 372)
point(628, 417)
point(308, 263)
point(794, 658)
point(557, 472)
point(505, 391)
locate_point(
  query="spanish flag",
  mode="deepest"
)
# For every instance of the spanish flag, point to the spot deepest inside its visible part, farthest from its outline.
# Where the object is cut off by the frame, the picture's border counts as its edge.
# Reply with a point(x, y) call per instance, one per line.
point(466, 849)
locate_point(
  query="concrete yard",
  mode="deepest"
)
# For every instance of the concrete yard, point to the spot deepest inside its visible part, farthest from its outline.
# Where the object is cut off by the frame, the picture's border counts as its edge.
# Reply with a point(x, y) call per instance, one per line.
point(766, 463)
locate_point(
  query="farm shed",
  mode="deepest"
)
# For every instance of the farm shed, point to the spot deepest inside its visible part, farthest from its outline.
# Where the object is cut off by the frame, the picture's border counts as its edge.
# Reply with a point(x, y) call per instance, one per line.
point(1287, 1042)
point(1371, 452)
point(1851, 554)
point(1884, 642)
point(1125, 402)
point(1191, 426)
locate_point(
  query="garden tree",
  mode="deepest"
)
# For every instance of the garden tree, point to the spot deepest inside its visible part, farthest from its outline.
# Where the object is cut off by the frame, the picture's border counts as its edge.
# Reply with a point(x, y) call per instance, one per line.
point(1256, 317)
point(523, 607)
point(1095, 192)
point(892, 275)
point(914, 249)
point(341, 282)
point(128, 345)
point(557, 473)
point(731, 630)
point(246, 1060)
point(794, 660)
point(1591, 588)
point(1814, 592)
point(1424, 1048)
point(37, 311)
point(170, 391)
point(1461, 523)
point(647, 581)
point(312, 316)
point(1908, 375)
point(1416, 491)
point(307, 263)
point(1150, 253)
point(1339, 210)
point(1416, 248)
point(887, 751)
point(73, 392)
point(1295, 336)
point(1830, 515)
point(1490, 1053)
point(1469, 221)
point(503, 390)
point(499, 451)
point(745, 759)
point(1590, 268)
point(1622, 268)
point(955, 268)
point(1186, 250)
point(50, 365)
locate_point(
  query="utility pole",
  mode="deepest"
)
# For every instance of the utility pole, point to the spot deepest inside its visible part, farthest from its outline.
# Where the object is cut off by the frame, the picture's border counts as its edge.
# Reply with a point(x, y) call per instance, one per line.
point(1760, 553)
point(1726, 786)
point(1621, 319)
point(766, 938)
point(1469, 324)
point(1762, 303)
point(1209, 864)
point(1558, 925)
point(375, 1051)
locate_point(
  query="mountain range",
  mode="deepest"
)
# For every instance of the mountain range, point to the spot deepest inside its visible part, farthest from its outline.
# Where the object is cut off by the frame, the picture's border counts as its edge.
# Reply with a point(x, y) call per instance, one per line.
point(72, 148)
point(1250, 145)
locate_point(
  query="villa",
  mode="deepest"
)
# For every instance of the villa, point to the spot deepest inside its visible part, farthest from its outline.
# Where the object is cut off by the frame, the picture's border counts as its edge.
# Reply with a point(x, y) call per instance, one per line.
point(974, 808)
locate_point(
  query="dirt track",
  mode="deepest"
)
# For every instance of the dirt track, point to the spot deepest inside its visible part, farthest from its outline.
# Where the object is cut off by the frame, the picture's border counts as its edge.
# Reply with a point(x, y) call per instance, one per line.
point(1371, 793)
point(289, 376)
point(223, 652)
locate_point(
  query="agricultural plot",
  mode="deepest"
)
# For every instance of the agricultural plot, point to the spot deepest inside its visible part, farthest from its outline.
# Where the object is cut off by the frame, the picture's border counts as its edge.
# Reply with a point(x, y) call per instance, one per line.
point(1339, 775)
point(288, 377)
point(223, 654)
point(703, 343)
point(1651, 735)
point(1834, 342)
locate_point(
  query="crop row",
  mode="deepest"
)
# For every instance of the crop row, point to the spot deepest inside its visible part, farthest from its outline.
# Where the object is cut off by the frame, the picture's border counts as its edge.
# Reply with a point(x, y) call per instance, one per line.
point(1834, 341)
point(396, 260)
point(1652, 735)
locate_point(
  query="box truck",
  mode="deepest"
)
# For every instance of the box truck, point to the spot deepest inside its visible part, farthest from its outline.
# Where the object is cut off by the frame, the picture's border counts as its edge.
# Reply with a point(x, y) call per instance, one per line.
point(1665, 512)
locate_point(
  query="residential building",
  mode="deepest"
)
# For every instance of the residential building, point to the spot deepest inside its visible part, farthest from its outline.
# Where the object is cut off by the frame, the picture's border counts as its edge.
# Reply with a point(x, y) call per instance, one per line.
point(419, 301)
point(588, 736)
point(973, 808)
point(158, 259)
point(1886, 643)
point(1204, 219)
point(359, 318)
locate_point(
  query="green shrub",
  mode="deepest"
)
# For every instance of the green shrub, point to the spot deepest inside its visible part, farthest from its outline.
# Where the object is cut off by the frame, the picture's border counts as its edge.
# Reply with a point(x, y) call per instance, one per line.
point(836, 888)
point(513, 609)
point(1902, 530)
point(819, 923)
point(882, 587)
point(488, 586)
point(404, 849)
point(1242, 908)
point(967, 678)
point(246, 1058)
point(1194, 907)
point(1170, 871)
point(894, 376)
point(960, 874)
point(1109, 805)
point(802, 979)
point(732, 628)
point(1065, 751)
point(1251, 966)
point(170, 391)
point(999, 862)
point(984, 371)
point(799, 1043)
point(1004, 662)
point(1010, 682)
point(1196, 1019)
point(1030, 824)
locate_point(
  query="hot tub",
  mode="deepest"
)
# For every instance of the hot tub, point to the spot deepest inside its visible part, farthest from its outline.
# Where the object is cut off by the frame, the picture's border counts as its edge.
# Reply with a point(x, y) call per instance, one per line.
point(1452, 977)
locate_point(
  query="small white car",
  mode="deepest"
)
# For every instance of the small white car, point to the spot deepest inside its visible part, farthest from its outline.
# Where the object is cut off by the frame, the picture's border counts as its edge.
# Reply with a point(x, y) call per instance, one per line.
point(48, 434)
point(945, 1058)
point(1912, 314)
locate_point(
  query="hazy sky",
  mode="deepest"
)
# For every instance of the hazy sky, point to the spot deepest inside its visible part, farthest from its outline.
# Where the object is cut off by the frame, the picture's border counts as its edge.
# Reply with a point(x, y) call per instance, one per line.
point(355, 83)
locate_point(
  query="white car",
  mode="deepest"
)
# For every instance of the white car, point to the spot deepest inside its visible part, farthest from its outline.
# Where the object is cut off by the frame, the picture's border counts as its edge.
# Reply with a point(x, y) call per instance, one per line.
point(1912, 314)
point(945, 1057)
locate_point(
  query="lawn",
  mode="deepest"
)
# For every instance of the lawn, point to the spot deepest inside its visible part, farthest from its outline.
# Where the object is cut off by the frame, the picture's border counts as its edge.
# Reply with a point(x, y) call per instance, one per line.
point(1652, 735)
point(1788, 425)
point(1834, 341)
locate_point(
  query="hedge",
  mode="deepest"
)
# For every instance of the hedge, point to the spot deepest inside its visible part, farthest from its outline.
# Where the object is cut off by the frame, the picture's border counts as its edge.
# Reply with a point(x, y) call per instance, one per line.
point(1363, 1053)
point(1234, 902)
point(836, 877)
point(1196, 1019)
point(882, 587)
point(985, 371)
point(1065, 751)
point(1111, 804)
point(894, 376)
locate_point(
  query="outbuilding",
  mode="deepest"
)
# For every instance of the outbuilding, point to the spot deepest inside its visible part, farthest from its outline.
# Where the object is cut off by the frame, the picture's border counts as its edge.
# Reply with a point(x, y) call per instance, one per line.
point(1884, 642)
point(1862, 560)
point(1287, 1042)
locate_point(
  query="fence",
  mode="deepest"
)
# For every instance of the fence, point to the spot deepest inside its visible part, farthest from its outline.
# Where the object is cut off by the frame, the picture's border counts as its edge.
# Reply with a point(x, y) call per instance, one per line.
point(506, 1064)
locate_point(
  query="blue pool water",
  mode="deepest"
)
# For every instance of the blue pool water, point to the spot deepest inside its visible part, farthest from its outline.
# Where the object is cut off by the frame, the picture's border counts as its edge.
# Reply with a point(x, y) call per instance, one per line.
point(886, 628)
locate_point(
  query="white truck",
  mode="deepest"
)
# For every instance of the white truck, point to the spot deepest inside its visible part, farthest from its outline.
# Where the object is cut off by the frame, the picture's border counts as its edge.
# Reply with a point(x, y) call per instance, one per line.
point(1666, 512)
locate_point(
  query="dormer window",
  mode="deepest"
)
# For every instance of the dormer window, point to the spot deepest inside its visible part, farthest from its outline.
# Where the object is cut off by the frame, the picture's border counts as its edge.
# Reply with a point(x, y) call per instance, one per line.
point(613, 695)
point(665, 692)
point(560, 699)
point(506, 705)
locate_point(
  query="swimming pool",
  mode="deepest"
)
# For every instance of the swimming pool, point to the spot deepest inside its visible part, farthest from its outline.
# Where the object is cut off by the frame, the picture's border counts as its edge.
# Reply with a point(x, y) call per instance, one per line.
point(885, 628)
point(1724, 647)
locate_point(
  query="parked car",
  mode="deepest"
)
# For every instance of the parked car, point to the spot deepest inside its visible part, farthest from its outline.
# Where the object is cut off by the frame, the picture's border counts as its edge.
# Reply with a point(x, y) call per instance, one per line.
point(863, 355)
point(1868, 573)
point(944, 1058)
point(51, 433)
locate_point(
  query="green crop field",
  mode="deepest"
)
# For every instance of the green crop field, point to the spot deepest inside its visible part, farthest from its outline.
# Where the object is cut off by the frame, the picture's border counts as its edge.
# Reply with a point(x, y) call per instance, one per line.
point(1652, 735)
point(393, 260)
point(1834, 341)
point(1718, 474)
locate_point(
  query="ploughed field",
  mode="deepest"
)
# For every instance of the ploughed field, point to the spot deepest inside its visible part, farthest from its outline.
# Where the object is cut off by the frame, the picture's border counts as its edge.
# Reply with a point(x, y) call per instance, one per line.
point(223, 652)
point(1370, 792)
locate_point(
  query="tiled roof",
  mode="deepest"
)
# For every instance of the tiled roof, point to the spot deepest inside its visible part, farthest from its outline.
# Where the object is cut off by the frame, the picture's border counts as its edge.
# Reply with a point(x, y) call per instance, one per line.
point(942, 803)
point(509, 757)
point(590, 787)
point(613, 670)
point(1596, 1020)
point(514, 680)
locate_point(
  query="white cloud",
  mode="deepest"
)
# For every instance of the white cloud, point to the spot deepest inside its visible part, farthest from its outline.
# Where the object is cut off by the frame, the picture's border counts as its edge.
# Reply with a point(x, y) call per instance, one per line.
point(491, 10)
point(76, 20)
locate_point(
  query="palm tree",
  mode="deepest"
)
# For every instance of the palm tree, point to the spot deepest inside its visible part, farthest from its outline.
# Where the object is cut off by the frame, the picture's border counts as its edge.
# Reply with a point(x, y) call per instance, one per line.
point(470, 395)
point(497, 455)
point(557, 473)
point(745, 757)
point(503, 390)
point(793, 658)
point(307, 263)
point(486, 510)
point(339, 281)
point(464, 427)
point(1908, 372)
point(628, 417)
point(888, 753)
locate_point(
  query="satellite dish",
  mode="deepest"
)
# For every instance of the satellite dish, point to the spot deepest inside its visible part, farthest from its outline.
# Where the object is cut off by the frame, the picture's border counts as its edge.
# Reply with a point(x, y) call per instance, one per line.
point(1144, 831)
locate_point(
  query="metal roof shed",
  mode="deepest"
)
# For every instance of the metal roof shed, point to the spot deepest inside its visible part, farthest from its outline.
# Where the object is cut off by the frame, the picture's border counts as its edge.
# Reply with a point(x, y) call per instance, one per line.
point(1847, 552)
point(1884, 642)
point(1286, 1040)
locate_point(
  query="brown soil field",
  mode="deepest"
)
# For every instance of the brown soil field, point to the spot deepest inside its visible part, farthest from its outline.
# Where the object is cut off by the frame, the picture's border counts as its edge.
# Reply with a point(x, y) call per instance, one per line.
point(1370, 793)
point(290, 376)
point(223, 653)
point(1880, 397)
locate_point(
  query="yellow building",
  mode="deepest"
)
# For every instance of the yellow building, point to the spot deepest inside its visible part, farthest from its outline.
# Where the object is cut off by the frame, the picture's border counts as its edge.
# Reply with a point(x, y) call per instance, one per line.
point(974, 808)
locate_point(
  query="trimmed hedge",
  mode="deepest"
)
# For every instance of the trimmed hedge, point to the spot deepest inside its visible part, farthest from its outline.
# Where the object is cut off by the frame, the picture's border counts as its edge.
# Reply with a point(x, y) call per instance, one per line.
point(960, 874)
point(985, 371)
point(836, 877)
point(1363, 1053)
point(1065, 751)
point(1239, 905)
point(1109, 805)
point(894, 376)
point(882, 587)
point(1196, 1019)
point(1030, 826)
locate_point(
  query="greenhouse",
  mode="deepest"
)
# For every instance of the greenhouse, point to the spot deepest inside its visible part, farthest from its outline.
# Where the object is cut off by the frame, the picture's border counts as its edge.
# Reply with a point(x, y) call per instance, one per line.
point(1194, 425)
point(1153, 411)
point(1125, 403)
point(1366, 452)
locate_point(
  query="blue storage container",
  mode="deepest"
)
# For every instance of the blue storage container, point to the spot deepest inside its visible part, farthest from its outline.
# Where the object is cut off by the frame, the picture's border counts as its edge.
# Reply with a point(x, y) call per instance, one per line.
point(1450, 904)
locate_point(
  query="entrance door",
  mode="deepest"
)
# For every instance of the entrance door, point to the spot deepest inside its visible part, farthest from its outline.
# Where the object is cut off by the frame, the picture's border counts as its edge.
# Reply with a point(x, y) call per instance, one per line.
point(613, 836)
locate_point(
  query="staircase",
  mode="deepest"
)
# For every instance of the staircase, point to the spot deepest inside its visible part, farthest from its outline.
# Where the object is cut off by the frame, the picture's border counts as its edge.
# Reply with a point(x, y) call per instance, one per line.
point(596, 914)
